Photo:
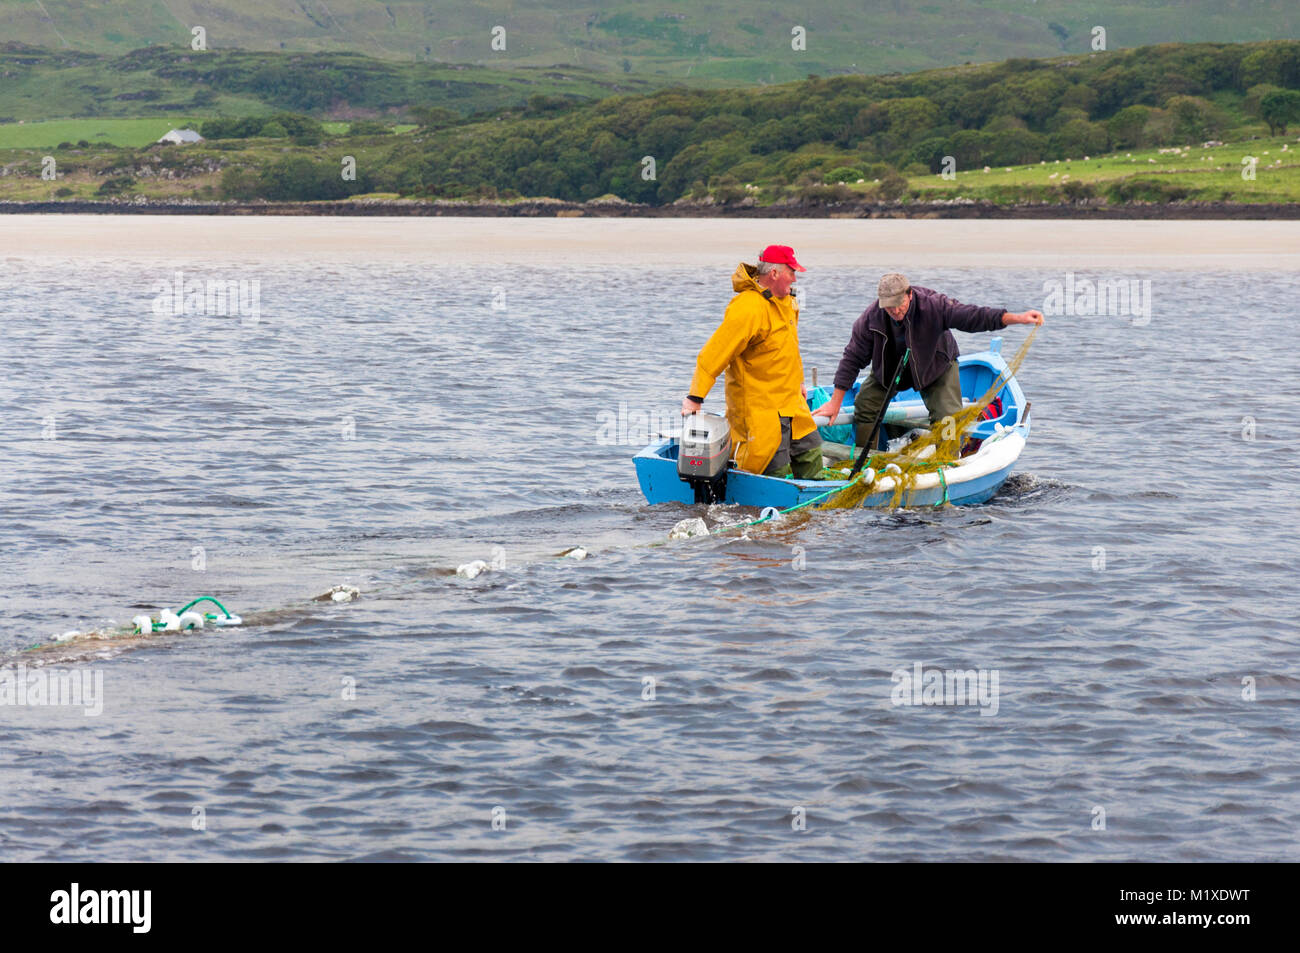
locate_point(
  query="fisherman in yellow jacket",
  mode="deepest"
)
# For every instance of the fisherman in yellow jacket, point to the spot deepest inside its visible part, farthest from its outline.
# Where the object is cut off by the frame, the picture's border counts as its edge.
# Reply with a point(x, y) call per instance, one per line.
point(772, 431)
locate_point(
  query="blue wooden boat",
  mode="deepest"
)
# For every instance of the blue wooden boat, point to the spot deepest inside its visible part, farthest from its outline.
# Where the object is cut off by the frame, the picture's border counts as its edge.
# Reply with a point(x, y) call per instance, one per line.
point(975, 479)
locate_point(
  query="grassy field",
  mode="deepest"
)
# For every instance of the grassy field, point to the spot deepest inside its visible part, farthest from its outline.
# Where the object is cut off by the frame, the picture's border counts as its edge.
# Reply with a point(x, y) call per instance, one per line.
point(341, 128)
point(117, 132)
point(132, 133)
point(1208, 174)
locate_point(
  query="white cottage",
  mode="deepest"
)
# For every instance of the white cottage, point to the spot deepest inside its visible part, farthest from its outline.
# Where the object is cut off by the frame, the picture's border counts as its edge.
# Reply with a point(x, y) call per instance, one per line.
point(178, 136)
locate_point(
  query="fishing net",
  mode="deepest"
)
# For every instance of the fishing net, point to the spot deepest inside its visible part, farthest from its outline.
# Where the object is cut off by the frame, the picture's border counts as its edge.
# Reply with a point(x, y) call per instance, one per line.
point(930, 452)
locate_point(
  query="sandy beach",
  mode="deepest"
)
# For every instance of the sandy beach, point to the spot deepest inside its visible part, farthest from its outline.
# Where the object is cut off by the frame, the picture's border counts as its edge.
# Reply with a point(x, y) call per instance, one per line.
point(1236, 245)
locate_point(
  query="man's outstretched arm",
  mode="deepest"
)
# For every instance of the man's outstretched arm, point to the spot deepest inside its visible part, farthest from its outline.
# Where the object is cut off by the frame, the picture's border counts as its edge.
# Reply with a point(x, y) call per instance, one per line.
point(975, 319)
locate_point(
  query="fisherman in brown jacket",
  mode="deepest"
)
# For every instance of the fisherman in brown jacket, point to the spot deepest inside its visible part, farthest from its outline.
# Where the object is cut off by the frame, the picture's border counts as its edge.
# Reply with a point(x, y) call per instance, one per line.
point(914, 321)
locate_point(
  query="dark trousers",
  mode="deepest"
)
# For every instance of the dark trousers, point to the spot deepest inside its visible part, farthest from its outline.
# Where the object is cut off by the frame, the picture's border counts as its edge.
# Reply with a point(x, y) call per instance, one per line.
point(803, 457)
point(942, 399)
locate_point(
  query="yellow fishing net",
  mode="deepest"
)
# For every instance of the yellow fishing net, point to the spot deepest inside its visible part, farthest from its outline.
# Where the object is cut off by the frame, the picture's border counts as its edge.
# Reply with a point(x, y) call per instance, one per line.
point(936, 450)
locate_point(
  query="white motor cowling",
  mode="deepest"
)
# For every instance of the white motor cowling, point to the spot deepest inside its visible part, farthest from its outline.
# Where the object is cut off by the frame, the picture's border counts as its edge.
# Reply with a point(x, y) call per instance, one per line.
point(703, 455)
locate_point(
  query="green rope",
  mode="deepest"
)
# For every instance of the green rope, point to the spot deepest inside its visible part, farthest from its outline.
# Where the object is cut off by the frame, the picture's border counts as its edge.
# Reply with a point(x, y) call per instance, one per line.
point(943, 481)
point(195, 602)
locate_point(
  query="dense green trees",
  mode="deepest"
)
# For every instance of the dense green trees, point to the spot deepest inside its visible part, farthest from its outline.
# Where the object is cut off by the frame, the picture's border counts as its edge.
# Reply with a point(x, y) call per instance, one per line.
point(1126, 126)
point(304, 130)
point(294, 179)
point(369, 127)
point(1195, 119)
point(801, 139)
point(825, 130)
point(1275, 63)
point(1279, 109)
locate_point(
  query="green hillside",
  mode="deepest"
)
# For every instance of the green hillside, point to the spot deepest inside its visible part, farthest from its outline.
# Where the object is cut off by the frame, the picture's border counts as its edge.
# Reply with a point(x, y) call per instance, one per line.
point(1144, 125)
point(797, 142)
point(38, 84)
point(738, 42)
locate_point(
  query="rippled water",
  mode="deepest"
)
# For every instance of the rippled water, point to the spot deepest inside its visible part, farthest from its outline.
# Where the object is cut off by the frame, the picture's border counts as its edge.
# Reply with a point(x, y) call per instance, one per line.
point(380, 425)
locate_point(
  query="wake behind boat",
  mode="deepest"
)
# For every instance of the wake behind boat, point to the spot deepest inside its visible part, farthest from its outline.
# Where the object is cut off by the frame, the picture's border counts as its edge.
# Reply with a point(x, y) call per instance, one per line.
point(665, 476)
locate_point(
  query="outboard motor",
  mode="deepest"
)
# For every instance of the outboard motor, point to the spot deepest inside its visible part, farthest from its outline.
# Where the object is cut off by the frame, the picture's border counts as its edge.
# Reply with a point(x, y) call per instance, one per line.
point(703, 455)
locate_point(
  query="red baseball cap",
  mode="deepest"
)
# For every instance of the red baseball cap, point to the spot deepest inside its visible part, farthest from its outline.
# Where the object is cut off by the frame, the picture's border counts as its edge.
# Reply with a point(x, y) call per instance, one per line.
point(780, 255)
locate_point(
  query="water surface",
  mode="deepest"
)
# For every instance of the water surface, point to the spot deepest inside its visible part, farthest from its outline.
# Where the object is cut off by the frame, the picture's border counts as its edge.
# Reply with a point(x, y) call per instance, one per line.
point(385, 421)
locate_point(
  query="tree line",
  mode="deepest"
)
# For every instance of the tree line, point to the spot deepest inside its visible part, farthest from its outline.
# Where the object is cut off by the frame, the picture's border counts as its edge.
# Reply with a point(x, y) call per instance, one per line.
point(811, 135)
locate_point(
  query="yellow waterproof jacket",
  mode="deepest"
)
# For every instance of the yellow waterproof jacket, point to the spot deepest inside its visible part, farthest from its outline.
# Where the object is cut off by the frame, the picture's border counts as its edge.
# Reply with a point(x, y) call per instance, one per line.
point(758, 346)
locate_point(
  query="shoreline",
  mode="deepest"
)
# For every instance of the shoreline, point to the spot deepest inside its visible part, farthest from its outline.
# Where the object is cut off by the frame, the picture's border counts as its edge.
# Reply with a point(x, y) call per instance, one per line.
point(637, 243)
point(1189, 211)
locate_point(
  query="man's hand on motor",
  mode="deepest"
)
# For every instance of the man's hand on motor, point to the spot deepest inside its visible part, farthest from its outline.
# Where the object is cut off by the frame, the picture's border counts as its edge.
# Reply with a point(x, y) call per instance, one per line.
point(690, 407)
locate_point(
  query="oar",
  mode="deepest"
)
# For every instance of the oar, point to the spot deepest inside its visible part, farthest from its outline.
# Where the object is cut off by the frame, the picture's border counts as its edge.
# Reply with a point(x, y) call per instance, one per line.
point(880, 415)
